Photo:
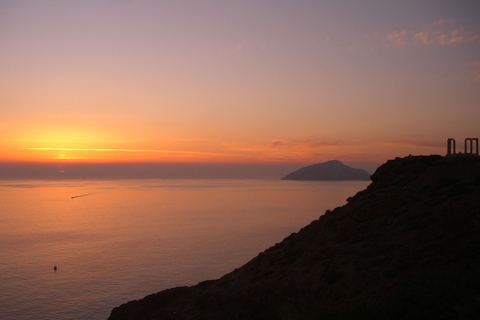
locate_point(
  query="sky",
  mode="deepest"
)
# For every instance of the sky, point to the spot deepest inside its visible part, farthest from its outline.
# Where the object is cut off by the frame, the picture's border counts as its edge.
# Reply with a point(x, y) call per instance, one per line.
point(236, 82)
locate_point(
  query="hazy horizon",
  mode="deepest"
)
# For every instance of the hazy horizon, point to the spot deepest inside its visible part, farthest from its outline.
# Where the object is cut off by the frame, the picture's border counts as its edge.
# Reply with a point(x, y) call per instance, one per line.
point(148, 170)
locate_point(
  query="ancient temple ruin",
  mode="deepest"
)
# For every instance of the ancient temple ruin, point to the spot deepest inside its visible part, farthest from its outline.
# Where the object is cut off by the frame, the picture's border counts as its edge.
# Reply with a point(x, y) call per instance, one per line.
point(450, 144)
point(469, 142)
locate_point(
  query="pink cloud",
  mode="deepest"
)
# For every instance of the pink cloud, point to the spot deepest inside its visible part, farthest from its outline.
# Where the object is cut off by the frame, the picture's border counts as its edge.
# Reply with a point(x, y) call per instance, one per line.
point(422, 37)
point(417, 143)
point(441, 33)
point(456, 36)
point(476, 77)
point(453, 79)
point(475, 70)
point(309, 144)
point(395, 38)
point(470, 73)
point(475, 64)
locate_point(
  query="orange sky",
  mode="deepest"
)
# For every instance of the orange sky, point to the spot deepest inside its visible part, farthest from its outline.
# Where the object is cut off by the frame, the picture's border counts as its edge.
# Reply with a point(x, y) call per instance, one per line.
point(242, 82)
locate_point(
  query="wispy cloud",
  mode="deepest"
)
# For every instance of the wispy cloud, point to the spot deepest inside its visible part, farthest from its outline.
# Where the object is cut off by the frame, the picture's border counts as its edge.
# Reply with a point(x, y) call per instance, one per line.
point(475, 70)
point(470, 73)
point(309, 144)
point(130, 150)
point(279, 143)
point(416, 143)
point(440, 33)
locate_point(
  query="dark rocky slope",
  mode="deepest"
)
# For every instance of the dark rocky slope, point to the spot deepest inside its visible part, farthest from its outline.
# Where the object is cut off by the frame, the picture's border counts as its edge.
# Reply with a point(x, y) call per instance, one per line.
point(407, 247)
point(330, 170)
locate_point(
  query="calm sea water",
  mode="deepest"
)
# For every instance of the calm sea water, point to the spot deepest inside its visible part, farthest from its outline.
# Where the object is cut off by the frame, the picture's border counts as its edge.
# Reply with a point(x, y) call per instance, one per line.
point(116, 241)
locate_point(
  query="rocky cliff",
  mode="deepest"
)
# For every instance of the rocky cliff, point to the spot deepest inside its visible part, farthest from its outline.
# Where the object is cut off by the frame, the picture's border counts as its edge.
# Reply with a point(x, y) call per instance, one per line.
point(407, 247)
point(330, 170)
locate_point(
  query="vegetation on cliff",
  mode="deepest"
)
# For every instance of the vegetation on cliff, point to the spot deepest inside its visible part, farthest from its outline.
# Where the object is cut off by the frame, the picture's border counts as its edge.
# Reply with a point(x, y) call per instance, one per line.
point(406, 247)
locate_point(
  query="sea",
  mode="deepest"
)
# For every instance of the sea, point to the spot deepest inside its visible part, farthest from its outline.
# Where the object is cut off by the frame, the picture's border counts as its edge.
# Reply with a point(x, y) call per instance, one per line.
point(75, 249)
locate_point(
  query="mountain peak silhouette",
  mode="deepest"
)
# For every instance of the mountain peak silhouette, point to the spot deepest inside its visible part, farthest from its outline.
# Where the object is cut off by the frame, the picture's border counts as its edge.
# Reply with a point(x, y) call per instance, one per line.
point(330, 170)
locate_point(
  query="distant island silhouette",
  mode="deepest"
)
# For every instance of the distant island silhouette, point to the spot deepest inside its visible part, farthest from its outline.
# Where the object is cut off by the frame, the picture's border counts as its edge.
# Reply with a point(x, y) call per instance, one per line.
point(330, 170)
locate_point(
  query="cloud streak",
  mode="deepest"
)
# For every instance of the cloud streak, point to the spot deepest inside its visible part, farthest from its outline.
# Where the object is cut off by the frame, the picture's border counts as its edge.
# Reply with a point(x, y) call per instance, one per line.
point(130, 150)
point(441, 33)
point(416, 143)
point(475, 70)
point(309, 144)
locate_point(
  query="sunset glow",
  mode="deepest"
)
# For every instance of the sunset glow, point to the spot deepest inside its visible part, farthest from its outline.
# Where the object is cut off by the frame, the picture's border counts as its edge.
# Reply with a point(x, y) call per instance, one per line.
point(266, 82)
point(64, 153)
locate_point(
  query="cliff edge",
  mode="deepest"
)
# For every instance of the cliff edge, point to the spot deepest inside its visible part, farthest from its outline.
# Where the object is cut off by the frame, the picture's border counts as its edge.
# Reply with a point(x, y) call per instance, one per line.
point(406, 247)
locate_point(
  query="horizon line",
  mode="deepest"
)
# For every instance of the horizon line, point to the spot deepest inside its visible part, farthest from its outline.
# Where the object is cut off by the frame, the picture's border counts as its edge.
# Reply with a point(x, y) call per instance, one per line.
point(126, 150)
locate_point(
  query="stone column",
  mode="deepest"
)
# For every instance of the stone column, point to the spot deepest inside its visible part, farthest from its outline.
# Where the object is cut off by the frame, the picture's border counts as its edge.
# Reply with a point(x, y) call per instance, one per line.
point(450, 143)
point(471, 145)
